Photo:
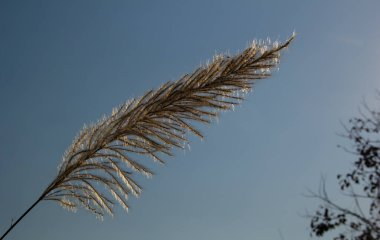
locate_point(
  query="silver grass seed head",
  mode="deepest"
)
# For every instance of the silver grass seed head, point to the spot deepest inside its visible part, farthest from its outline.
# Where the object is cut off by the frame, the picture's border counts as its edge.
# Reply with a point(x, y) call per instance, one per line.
point(152, 126)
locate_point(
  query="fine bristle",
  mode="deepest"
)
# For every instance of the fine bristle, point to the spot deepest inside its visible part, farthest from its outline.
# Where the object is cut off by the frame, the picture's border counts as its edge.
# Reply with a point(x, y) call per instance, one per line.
point(96, 169)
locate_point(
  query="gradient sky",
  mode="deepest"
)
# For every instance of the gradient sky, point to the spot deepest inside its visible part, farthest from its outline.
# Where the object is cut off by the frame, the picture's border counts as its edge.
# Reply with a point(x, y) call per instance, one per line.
point(66, 63)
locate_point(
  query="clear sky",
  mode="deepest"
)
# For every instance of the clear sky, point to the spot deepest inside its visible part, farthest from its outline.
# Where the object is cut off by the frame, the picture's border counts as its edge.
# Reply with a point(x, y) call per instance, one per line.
point(66, 63)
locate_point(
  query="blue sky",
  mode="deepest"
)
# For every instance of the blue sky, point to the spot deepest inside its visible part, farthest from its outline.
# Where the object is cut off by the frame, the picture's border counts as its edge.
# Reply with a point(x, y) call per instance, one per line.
point(66, 63)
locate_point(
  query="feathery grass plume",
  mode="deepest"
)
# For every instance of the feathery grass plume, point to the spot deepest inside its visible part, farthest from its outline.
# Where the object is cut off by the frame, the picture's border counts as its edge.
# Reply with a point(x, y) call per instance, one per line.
point(153, 125)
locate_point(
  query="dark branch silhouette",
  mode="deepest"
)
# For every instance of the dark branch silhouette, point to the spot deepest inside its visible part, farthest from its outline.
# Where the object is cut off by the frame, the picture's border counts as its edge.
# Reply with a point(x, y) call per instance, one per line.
point(361, 185)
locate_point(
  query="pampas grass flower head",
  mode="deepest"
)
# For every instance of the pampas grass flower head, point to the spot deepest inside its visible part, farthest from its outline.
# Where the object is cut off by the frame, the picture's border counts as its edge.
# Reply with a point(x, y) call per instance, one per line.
point(96, 170)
